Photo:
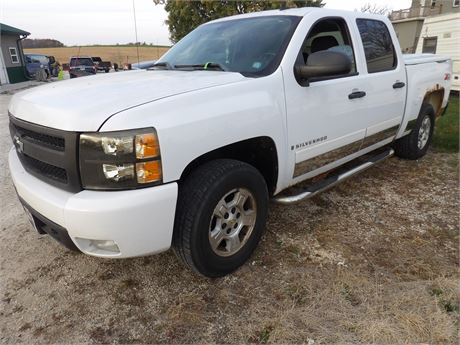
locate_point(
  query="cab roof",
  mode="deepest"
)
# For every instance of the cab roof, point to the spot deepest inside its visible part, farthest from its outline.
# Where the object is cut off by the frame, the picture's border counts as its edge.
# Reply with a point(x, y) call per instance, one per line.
point(300, 12)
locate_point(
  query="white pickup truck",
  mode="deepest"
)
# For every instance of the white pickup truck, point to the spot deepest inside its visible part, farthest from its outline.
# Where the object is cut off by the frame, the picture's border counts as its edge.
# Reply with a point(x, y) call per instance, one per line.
point(188, 154)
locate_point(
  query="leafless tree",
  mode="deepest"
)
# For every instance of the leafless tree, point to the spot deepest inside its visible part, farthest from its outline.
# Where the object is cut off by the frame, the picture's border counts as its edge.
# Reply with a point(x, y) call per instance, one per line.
point(375, 9)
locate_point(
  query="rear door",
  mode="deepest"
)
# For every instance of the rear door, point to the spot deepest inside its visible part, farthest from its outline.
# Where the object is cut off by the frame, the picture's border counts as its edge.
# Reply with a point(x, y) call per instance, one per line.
point(385, 82)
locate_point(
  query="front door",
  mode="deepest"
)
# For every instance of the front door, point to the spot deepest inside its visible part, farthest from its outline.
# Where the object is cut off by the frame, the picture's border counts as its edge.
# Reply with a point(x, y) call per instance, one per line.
point(326, 118)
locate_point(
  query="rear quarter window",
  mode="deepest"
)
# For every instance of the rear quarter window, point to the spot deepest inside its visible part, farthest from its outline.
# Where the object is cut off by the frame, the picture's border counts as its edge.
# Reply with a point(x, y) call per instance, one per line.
point(81, 62)
point(378, 45)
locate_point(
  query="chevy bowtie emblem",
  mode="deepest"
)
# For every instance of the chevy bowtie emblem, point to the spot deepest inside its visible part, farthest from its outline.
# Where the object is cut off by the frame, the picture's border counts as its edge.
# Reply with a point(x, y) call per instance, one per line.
point(18, 143)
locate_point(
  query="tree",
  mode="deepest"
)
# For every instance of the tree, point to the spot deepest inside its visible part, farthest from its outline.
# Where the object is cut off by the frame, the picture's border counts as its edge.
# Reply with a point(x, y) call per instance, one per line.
point(41, 43)
point(184, 16)
point(375, 9)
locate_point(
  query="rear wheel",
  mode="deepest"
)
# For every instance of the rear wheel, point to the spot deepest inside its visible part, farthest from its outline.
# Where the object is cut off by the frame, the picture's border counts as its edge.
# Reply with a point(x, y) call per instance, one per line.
point(220, 217)
point(415, 145)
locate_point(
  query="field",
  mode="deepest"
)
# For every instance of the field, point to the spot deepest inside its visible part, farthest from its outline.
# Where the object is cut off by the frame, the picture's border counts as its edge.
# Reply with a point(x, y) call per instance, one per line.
point(118, 54)
point(371, 261)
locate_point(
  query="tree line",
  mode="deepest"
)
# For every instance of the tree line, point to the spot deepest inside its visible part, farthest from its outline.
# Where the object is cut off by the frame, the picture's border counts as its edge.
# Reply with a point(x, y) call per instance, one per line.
point(41, 43)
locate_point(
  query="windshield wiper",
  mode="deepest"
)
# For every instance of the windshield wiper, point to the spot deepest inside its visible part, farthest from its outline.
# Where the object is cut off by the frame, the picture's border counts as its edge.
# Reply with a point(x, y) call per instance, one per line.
point(204, 67)
point(164, 64)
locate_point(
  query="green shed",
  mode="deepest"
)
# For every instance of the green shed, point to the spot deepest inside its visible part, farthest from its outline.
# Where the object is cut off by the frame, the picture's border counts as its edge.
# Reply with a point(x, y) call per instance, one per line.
point(12, 65)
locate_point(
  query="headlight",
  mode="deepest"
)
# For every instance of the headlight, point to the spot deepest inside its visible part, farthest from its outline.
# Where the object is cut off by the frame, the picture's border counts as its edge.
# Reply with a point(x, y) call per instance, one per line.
point(120, 160)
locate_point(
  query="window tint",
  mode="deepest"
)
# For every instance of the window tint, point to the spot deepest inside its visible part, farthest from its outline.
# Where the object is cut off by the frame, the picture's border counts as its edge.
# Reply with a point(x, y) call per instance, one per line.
point(378, 45)
point(81, 62)
point(330, 34)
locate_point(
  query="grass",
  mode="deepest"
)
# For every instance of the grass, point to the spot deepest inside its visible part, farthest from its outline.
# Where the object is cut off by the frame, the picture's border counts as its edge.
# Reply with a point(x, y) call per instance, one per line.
point(446, 136)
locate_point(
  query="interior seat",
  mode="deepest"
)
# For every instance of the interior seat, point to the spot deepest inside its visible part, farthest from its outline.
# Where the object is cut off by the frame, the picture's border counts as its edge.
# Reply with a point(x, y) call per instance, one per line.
point(323, 43)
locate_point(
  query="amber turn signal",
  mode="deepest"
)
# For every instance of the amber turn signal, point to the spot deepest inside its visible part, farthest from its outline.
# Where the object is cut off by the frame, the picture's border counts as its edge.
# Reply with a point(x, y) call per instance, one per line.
point(148, 171)
point(147, 146)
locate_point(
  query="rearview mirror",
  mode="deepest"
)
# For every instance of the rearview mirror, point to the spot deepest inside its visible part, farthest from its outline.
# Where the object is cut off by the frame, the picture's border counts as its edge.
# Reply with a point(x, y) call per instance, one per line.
point(323, 64)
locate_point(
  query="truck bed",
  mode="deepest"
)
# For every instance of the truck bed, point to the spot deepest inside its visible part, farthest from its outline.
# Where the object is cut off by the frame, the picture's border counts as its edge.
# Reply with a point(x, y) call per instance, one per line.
point(416, 59)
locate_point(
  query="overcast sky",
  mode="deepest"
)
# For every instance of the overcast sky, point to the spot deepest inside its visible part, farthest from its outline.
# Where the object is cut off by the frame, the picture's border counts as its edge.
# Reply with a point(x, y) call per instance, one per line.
point(111, 21)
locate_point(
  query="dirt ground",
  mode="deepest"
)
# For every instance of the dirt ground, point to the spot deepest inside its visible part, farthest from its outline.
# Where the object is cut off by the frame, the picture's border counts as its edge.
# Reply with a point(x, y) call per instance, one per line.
point(374, 260)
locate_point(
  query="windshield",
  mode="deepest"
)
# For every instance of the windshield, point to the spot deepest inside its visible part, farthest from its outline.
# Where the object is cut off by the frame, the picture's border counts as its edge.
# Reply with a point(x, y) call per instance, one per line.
point(251, 46)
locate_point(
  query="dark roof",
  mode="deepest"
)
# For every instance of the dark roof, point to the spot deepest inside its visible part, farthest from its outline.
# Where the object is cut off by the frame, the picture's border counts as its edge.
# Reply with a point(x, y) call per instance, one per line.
point(6, 29)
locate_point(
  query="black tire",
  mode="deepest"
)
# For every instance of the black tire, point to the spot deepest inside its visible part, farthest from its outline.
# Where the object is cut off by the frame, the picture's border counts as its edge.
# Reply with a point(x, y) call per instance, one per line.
point(199, 195)
point(407, 147)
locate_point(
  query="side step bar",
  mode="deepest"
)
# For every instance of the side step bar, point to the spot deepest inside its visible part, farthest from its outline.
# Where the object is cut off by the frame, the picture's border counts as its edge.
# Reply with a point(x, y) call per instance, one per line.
point(333, 180)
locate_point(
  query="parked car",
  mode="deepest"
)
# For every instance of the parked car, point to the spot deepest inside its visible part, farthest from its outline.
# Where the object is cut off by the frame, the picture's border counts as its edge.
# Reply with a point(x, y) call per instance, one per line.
point(37, 62)
point(188, 154)
point(103, 66)
point(143, 64)
point(81, 66)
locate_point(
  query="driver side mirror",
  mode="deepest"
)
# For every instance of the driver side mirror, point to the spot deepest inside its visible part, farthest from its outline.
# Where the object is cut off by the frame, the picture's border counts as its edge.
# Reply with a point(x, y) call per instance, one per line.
point(324, 63)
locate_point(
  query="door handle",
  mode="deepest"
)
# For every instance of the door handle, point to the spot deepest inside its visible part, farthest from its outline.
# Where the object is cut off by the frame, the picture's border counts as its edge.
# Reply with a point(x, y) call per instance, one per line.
point(398, 85)
point(356, 94)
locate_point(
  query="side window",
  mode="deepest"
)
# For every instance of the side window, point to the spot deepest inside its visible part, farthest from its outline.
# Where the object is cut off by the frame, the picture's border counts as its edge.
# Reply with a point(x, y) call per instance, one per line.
point(429, 45)
point(14, 55)
point(378, 45)
point(329, 34)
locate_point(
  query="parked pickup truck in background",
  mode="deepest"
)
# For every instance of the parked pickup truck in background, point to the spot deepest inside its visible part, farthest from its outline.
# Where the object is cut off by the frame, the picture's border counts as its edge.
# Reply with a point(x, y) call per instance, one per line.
point(81, 66)
point(103, 66)
point(247, 106)
point(36, 63)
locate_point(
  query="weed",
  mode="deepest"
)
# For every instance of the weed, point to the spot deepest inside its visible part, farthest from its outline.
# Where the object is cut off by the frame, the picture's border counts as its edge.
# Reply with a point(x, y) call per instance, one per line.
point(265, 335)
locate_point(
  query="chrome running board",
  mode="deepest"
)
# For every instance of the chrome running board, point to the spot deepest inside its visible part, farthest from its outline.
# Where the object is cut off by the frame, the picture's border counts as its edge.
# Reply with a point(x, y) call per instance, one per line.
point(333, 180)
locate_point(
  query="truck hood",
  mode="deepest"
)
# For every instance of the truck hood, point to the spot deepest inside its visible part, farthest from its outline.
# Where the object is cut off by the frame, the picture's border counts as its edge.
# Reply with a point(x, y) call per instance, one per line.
point(83, 104)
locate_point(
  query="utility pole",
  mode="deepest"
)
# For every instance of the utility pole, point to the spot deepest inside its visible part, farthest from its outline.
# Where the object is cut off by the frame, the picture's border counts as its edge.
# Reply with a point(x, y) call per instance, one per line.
point(135, 31)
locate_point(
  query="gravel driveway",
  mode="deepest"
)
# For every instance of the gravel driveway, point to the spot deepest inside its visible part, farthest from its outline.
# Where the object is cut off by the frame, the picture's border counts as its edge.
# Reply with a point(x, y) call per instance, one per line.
point(374, 260)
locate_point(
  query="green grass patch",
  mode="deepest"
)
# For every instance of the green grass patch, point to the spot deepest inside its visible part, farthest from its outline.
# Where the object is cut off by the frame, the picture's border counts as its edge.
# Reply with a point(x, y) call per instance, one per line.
point(446, 137)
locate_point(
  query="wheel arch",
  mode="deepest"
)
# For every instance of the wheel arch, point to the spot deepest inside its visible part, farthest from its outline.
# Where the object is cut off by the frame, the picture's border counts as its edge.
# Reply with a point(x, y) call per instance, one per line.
point(434, 97)
point(259, 152)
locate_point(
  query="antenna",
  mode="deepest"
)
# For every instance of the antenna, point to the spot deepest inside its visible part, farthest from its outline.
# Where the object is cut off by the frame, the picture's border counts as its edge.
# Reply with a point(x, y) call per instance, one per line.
point(135, 31)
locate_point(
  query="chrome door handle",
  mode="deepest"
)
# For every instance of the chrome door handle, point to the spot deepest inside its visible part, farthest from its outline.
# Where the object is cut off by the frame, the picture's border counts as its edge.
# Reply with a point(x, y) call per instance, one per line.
point(399, 85)
point(356, 94)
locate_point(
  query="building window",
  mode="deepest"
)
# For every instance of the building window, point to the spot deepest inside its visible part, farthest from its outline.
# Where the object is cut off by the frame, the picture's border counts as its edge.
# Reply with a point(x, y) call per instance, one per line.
point(433, 3)
point(14, 55)
point(456, 3)
point(429, 45)
point(378, 45)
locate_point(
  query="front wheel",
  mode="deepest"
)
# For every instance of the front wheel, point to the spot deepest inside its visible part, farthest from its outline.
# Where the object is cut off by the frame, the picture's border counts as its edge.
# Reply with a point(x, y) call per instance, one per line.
point(415, 145)
point(220, 216)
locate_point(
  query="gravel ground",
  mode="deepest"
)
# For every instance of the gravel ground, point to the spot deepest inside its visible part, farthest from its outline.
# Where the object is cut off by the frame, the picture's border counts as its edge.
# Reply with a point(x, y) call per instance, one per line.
point(374, 260)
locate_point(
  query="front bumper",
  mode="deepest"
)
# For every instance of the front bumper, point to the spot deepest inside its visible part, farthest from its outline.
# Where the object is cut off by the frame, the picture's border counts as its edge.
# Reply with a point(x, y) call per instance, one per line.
point(140, 222)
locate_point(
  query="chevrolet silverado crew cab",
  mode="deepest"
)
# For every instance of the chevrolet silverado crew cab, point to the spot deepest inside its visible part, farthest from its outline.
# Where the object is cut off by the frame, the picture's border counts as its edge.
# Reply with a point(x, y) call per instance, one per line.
point(189, 153)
